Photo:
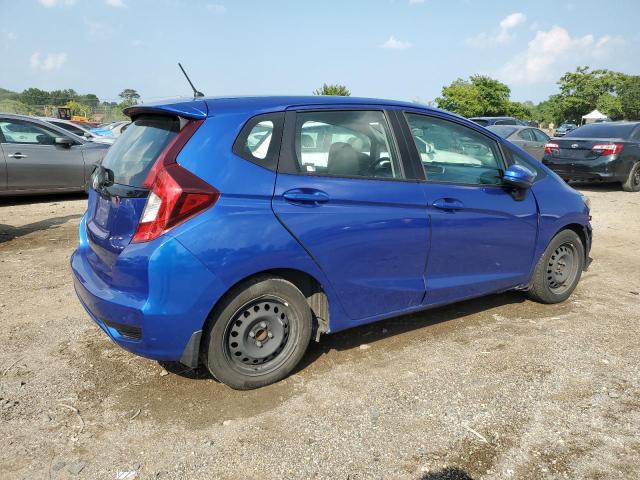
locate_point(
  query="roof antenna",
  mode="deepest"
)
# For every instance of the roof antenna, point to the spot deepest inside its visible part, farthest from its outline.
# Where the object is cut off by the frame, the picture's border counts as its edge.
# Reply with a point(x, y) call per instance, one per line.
point(196, 93)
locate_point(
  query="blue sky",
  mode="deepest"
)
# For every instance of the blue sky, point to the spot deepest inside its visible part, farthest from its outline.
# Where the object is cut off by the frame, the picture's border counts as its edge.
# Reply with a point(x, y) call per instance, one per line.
point(402, 49)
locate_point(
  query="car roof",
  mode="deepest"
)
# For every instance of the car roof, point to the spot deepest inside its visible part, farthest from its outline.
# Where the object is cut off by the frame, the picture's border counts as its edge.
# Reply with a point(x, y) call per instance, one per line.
point(206, 106)
point(492, 118)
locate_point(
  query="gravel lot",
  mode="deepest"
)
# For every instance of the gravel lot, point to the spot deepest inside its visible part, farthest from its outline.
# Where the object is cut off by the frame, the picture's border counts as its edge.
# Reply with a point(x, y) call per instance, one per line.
point(499, 387)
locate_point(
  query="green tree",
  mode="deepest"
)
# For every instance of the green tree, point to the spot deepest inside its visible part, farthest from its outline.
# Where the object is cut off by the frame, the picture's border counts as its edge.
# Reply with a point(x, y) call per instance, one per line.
point(629, 95)
point(581, 90)
point(129, 97)
point(478, 96)
point(89, 99)
point(611, 106)
point(34, 96)
point(333, 89)
point(520, 110)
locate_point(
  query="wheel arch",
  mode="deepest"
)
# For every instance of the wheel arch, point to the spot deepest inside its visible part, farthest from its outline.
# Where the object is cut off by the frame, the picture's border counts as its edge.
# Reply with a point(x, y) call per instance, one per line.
point(311, 288)
point(584, 234)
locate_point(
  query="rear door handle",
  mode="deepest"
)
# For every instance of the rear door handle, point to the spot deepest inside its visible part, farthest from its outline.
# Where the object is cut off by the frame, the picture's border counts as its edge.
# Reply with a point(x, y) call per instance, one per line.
point(307, 196)
point(449, 204)
point(17, 155)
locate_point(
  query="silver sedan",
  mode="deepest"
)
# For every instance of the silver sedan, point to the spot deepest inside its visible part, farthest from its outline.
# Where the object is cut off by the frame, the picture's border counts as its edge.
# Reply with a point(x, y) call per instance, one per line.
point(37, 157)
point(530, 139)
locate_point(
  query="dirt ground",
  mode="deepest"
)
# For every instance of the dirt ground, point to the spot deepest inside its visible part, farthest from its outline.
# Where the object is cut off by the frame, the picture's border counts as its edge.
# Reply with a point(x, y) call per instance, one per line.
point(499, 387)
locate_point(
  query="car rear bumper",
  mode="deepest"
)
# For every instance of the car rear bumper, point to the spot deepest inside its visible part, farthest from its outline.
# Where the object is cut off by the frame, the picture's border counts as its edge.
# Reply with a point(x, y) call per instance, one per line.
point(606, 169)
point(162, 324)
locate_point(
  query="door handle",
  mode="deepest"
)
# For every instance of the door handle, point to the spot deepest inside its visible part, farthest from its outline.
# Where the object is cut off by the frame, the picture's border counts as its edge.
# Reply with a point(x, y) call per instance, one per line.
point(449, 204)
point(17, 155)
point(306, 196)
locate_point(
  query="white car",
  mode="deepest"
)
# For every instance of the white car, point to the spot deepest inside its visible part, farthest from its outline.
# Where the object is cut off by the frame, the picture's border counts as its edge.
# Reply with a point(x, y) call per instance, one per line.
point(78, 130)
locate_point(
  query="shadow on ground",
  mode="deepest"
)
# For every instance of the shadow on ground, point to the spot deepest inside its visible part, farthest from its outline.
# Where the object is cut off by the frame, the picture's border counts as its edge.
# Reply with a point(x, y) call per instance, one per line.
point(9, 232)
point(596, 187)
point(53, 198)
point(447, 474)
point(384, 329)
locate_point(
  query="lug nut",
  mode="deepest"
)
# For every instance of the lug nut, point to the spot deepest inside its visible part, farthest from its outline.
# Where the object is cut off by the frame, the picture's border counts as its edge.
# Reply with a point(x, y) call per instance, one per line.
point(270, 335)
point(263, 324)
point(251, 334)
point(259, 344)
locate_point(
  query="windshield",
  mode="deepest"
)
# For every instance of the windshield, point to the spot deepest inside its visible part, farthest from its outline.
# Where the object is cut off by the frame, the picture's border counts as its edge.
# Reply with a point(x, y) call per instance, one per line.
point(480, 121)
point(503, 131)
point(137, 149)
point(603, 130)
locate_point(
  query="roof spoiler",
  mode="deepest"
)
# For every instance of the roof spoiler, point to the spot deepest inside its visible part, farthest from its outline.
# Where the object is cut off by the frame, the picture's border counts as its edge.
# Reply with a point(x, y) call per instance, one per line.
point(196, 110)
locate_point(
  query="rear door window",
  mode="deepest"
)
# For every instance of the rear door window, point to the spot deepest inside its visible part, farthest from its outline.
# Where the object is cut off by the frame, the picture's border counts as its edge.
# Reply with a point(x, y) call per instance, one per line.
point(526, 135)
point(137, 149)
point(540, 136)
point(346, 144)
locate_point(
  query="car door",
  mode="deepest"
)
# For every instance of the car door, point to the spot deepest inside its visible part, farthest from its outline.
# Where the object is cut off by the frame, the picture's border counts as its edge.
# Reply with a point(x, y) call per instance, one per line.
point(344, 193)
point(482, 236)
point(541, 140)
point(3, 167)
point(524, 139)
point(35, 162)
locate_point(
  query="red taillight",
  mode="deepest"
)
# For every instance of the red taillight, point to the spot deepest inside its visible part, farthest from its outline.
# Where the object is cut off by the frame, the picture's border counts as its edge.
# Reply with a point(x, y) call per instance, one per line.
point(608, 148)
point(176, 194)
point(550, 146)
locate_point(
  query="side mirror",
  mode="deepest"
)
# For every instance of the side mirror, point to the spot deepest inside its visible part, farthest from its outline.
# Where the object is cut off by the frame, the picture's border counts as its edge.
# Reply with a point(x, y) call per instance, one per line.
point(519, 177)
point(64, 142)
point(87, 135)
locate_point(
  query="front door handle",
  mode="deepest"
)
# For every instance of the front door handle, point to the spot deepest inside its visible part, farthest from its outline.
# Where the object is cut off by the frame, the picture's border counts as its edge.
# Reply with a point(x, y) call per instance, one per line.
point(17, 155)
point(306, 196)
point(449, 204)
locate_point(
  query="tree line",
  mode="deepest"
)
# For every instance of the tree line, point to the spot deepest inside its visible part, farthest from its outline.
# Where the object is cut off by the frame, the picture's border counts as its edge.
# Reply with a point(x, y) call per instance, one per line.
point(615, 94)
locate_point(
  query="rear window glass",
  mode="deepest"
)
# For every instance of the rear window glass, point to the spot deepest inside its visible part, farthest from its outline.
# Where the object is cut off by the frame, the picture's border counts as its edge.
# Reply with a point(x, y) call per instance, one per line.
point(135, 152)
point(603, 130)
point(503, 131)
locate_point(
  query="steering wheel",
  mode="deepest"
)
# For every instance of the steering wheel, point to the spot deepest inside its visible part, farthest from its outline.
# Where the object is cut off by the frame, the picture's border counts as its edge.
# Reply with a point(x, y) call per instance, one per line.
point(378, 164)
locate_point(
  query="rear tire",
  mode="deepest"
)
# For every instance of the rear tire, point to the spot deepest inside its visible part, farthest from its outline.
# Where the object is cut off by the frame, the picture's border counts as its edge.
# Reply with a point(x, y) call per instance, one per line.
point(258, 333)
point(559, 269)
point(632, 184)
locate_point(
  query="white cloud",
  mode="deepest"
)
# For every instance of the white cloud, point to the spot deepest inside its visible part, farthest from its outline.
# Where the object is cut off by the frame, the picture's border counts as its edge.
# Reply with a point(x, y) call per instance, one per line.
point(52, 61)
point(140, 43)
point(502, 35)
point(216, 8)
point(55, 3)
point(553, 52)
point(394, 44)
point(415, 2)
point(115, 3)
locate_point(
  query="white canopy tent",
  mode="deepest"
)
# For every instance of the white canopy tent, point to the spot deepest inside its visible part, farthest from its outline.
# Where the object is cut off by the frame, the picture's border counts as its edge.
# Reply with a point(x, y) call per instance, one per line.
point(593, 116)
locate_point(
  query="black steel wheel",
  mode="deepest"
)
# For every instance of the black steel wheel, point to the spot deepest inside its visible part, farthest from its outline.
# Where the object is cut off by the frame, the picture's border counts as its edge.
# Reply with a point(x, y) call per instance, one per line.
point(562, 268)
point(558, 271)
point(258, 333)
point(257, 337)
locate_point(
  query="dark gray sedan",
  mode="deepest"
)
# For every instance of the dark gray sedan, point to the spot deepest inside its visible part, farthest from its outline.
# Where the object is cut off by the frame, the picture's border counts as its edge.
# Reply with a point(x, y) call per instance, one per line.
point(530, 139)
point(37, 157)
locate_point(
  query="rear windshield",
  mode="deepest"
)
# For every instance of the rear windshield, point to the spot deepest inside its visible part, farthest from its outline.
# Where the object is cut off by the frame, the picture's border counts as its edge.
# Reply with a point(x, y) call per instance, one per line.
point(504, 132)
point(480, 121)
point(603, 130)
point(135, 152)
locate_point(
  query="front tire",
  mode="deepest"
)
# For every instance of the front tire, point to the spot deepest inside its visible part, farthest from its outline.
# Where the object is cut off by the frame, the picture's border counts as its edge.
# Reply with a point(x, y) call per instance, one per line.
point(258, 333)
point(632, 184)
point(559, 269)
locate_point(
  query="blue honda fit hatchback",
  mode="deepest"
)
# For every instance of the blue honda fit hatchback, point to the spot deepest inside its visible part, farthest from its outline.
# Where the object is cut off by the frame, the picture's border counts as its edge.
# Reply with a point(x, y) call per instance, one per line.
point(231, 231)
